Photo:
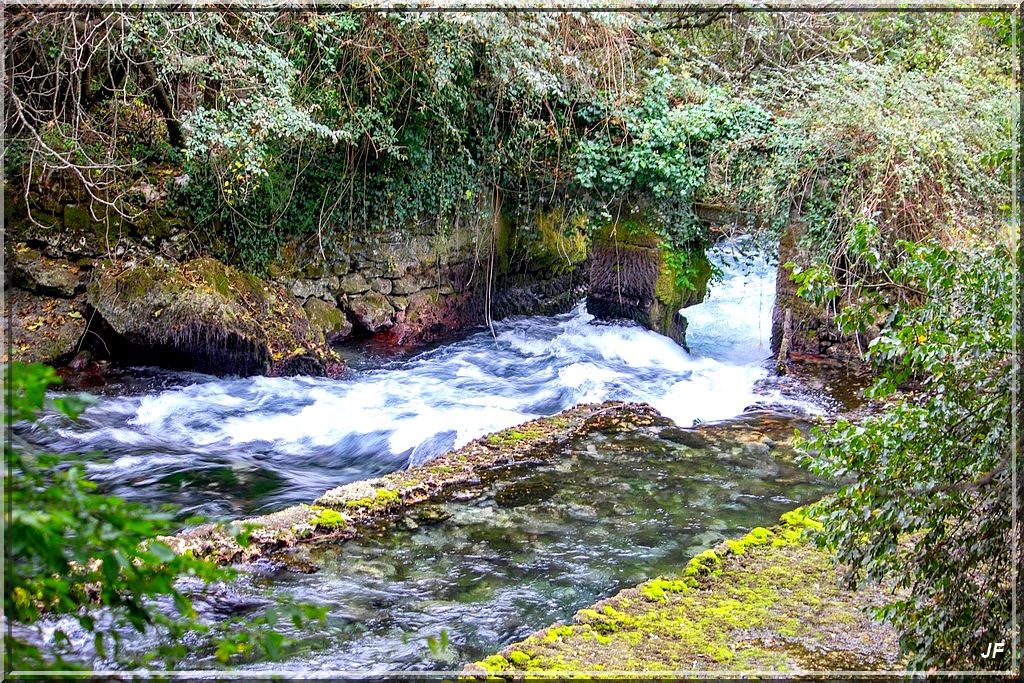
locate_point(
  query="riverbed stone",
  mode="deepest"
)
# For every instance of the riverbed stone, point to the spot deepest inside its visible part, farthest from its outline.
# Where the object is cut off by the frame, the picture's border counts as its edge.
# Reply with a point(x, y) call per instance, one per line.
point(208, 316)
point(343, 512)
point(373, 311)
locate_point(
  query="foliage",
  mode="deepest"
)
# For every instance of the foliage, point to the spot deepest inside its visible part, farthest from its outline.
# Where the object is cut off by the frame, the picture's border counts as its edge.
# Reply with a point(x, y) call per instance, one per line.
point(94, 559)
point(869, 134)
point(927, 500)
point(430, 116)
point(656, 152)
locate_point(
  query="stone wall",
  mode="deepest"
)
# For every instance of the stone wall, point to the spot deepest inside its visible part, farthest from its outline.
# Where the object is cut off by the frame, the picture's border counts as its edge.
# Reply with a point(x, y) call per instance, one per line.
point(403, 289)
point(411, 289)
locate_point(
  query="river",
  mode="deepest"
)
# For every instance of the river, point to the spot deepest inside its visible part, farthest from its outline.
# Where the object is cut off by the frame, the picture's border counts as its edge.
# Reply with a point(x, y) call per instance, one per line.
point(537, 544)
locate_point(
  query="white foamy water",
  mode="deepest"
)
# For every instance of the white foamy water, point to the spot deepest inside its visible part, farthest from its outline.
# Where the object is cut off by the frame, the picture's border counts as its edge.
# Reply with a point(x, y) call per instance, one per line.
point(231, 446)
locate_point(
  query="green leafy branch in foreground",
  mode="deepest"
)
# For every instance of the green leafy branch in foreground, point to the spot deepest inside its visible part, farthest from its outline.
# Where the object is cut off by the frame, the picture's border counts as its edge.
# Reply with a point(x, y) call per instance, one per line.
point(928, 503)
point(74, 552)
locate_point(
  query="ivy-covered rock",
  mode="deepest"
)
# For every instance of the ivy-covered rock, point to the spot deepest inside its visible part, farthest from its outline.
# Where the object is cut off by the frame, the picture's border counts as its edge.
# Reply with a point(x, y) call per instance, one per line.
point(210, 317)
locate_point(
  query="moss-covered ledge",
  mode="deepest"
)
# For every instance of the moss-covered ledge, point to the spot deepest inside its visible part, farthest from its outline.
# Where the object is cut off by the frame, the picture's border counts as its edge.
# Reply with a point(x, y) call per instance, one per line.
point(770, 601)
point(340, 513)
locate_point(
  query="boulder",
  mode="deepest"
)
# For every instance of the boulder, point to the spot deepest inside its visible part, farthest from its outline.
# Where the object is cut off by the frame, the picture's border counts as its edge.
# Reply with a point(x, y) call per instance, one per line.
point(373, 311)
point(208, 316)
point(43, 329)
point(40, 274)
point(328, 320)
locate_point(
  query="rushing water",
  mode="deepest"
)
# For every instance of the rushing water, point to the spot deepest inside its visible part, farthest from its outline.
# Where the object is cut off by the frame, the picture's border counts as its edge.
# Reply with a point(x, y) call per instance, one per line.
point(535, 544)
point(227, 447)
point(539, 543)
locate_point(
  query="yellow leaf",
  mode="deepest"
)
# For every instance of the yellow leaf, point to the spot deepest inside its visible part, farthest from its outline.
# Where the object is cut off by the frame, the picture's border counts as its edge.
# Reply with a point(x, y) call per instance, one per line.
point(74, 314)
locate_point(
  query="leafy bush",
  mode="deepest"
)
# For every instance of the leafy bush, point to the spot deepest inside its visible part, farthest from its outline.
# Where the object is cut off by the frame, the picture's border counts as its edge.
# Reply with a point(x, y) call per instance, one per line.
point(95, 559)
point(870, 134)
point(927, 503)
point(656, 152)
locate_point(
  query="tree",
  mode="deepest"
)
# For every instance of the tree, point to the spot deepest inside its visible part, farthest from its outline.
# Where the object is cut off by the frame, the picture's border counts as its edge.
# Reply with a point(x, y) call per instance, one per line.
point(926, 503)
point(71, 551)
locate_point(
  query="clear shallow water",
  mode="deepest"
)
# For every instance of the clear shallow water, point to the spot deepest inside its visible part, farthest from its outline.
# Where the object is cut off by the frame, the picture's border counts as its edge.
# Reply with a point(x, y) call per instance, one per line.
point(539, 543)
point(609, 513)
point(228, 447)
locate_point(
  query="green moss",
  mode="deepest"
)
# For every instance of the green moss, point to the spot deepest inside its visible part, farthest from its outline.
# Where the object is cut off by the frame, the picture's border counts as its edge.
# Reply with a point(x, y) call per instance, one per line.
point(326, 518)
point(734, 610)
point(702, 565)
point(800, 518)
point(510, 436)
point(556, 632)
point(520, 660)
point(560, 243)
point(496, 663)
point(655, 589)
point(757, 537)
point(387, 496)
point(383, 498)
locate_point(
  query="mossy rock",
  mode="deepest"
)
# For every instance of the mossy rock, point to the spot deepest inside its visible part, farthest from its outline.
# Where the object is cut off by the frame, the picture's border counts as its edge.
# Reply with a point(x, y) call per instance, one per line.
point(43, 328)
point(210, 317)
point(372, 311)
point(634, 276)
point(328, 320)
point(40, 274)
point(768, 602)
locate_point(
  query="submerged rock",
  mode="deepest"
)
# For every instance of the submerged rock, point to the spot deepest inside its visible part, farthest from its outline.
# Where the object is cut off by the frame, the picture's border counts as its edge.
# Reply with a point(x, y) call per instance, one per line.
point(210, 317)
point(343, 512)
